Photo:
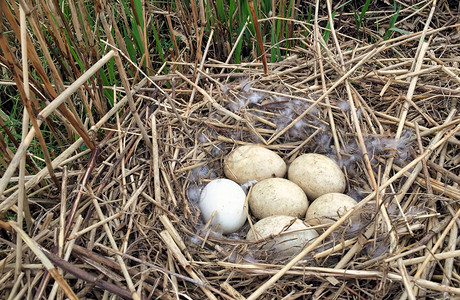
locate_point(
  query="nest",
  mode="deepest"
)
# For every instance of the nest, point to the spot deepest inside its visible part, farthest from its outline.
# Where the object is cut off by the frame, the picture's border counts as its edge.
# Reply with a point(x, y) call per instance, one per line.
point(387, 114)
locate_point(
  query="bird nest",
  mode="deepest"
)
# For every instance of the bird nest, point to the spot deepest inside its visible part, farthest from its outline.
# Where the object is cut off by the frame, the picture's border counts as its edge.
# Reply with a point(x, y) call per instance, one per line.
point(126, 222)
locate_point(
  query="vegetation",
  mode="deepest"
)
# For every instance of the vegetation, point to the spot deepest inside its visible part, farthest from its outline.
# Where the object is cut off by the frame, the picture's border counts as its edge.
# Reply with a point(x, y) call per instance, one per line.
point(131, 105)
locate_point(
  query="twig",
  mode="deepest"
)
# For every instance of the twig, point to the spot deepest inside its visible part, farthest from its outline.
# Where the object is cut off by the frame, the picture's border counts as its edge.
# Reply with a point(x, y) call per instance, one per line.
point(126, 84)
point(203, 59)
point(258, 35)
point(324, 95)
point(425, 169)
point(40, 253)
point(44, 114)
point(113, 243)
point(87, 276)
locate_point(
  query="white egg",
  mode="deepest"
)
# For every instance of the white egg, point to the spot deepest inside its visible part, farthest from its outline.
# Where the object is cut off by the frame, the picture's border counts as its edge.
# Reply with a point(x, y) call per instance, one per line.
point(286, 236)
point(277, 196)
point(227, 199)
point(317, 175)
point(252, 162)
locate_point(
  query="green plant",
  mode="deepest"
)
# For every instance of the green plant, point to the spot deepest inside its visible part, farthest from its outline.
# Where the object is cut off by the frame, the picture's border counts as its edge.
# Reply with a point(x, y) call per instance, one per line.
point(327, 32)
point(392, 22)
point(11, 215)
point(359, 18)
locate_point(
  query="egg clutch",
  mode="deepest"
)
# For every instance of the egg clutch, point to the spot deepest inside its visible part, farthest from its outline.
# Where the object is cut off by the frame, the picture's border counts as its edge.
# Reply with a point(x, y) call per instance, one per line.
point(286, 209)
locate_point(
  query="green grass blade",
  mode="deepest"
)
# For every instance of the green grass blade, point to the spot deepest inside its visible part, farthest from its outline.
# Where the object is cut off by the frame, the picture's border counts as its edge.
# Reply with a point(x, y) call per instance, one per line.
point(138, 12)
point(111, 71)
point(244, 8)
point(327, 33)
point(75, 56)
point(266, 6)
point(239, 46)
point(105, 81)
point(361, 16)
point(328, 26)
point(158, 43)
point(231, 11)
point(134, 30)
point(272, 43)
point(129, 46)
point(220, 11)
point(308, 20)
point(393, 20)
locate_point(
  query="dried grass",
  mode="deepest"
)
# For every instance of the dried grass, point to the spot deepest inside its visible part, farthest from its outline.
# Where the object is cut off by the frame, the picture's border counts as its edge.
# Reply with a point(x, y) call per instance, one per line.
point(126, 221)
